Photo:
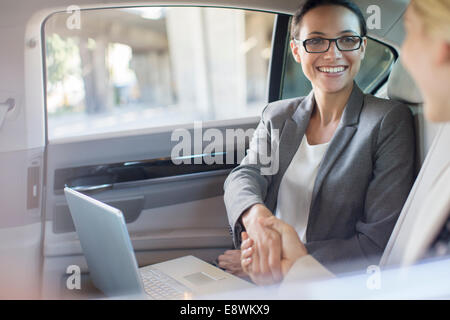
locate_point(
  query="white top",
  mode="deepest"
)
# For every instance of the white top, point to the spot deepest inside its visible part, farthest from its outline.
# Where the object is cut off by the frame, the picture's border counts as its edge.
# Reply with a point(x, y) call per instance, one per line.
point(431, 218)
point(295, 193)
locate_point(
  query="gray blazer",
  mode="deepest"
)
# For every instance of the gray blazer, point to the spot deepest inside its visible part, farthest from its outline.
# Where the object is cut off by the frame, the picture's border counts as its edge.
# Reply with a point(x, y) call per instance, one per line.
point(362, 183)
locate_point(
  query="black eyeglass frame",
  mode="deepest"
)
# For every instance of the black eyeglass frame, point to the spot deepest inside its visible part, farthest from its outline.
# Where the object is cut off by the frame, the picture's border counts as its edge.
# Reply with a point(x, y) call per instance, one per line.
point(329, 43)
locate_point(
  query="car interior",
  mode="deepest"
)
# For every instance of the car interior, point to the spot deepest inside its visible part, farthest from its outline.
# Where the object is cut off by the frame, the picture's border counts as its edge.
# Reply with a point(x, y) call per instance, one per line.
point(90, 98)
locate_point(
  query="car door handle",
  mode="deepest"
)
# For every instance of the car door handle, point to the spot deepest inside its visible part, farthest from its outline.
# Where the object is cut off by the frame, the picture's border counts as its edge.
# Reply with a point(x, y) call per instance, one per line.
point(6, 106)
point(98, 188)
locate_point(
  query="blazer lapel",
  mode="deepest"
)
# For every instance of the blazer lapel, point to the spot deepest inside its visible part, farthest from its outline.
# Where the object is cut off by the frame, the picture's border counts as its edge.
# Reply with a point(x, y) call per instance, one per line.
point(290, 139)
point(338, 143)
point(294, 130)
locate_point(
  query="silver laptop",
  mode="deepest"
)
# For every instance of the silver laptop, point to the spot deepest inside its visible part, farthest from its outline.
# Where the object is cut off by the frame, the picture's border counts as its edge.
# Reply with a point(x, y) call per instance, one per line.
point(112, 264)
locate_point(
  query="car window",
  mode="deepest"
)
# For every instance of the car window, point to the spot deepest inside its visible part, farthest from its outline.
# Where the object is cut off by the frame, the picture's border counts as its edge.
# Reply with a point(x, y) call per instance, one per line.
point(126, 69)
point(375, 69)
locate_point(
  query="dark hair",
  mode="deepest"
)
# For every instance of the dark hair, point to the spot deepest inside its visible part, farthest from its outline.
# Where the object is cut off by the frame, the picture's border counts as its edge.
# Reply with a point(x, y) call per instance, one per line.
point(312, 4)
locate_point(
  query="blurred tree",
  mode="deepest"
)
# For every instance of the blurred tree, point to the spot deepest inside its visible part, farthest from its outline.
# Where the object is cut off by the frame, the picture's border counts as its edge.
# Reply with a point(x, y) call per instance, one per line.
point(61, 54)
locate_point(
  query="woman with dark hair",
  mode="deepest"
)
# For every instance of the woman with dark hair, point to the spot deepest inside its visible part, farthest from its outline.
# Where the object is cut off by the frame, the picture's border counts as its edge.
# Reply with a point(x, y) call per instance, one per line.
point(426, 233)
point(345, 159)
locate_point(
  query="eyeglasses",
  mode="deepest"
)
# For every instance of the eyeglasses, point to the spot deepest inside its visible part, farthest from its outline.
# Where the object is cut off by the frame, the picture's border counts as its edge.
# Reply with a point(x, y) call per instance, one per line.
point(320, 45)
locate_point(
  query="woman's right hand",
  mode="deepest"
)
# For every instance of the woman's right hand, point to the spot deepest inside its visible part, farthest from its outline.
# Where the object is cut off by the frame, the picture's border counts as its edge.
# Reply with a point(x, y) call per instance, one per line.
point(292, 247)
point(266, 264)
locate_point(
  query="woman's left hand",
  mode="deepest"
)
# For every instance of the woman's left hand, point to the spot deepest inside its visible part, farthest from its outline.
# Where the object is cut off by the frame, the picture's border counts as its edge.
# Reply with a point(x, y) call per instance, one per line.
point(230, 261)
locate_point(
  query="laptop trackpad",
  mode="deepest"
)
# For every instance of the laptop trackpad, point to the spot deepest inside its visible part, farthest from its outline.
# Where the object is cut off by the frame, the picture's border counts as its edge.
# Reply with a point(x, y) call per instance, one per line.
point(200, 278)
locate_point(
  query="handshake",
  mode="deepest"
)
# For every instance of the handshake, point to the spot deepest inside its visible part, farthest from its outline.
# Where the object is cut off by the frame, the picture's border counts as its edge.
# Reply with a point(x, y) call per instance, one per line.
point(269, 248)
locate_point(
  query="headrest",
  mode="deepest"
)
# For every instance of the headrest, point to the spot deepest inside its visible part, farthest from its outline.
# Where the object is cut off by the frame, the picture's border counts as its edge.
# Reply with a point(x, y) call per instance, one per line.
point(402, 87)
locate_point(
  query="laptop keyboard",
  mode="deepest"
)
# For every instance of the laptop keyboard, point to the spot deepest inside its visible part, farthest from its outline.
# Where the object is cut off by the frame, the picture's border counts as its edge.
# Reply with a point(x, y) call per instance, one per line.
point(160, 286)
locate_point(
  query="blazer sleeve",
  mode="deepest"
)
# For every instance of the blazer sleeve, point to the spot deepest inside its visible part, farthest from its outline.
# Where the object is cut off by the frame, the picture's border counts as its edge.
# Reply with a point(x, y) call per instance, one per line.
point(392, 179)
point(247, 184)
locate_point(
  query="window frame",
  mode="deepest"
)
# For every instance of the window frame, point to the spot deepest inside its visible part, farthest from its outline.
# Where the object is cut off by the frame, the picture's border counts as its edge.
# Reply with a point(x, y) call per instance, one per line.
point(156, 129)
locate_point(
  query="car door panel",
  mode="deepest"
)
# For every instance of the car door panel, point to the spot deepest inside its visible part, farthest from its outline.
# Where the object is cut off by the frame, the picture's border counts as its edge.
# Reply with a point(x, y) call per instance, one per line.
point(170, 210)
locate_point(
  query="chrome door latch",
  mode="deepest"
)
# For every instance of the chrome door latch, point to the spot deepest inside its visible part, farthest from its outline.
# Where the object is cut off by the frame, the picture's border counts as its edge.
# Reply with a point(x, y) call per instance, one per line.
point(5, 107)
point(34, 187)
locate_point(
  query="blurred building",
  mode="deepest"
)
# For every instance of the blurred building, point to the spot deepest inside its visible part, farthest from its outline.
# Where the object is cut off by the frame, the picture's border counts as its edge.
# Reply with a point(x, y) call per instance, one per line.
point(200, 63)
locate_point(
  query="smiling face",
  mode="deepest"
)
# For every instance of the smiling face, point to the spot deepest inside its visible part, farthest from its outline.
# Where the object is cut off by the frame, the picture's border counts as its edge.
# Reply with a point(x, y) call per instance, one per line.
point(332, 71)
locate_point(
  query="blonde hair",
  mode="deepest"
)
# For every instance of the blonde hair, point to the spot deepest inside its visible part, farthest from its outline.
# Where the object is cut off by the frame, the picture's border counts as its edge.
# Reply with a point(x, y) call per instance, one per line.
point(435, 16)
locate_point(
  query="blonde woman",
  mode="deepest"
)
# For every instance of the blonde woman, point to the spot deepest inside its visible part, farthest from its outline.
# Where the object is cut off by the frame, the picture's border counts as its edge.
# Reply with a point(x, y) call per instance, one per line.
point(426, 55)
